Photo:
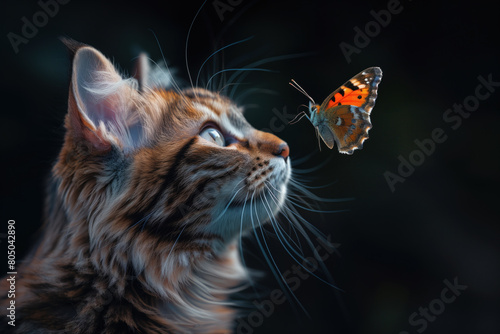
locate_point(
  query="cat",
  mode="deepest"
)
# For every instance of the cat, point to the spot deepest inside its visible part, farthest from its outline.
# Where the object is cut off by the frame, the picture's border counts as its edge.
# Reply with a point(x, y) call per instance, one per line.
point(147, 199)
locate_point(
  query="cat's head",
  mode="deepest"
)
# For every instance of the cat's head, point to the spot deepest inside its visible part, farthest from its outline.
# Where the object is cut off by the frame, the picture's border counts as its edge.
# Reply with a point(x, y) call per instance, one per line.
point(146, 166)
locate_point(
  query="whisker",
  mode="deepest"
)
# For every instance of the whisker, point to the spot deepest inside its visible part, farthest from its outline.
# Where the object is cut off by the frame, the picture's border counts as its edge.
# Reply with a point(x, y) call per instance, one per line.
point(274, 267)
point(294, 220)
point(300, 161)
point(261, 62)
point(312, 187)
point(311, 195)
point(291, 194)
point(230, 201)
point(306, 208)
point(291, 214)
point(274, 220)
point(253, 91)
point(176, 86)
point(187, 42)
point(315, 168)
point(224, 87)
point(296, 217)
point(238, 69)
point(298, 254)
point(252, 221)
point(214, 53)
point(174, 83)
point(313, 248)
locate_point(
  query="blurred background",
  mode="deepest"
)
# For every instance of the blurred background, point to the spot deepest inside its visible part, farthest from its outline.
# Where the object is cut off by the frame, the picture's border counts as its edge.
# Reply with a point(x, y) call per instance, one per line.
point(403, 236)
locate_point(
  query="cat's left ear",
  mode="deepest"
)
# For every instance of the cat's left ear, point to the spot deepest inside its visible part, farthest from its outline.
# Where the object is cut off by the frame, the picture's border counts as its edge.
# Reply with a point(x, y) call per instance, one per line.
point(151, 75)
point(102, 103)
point(142, 71)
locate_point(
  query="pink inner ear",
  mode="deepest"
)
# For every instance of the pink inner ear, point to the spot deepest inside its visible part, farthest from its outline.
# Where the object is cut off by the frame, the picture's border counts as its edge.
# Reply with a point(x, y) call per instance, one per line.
point(104, 110)
point(83, 129)
point(102, 96)
point(108, 110)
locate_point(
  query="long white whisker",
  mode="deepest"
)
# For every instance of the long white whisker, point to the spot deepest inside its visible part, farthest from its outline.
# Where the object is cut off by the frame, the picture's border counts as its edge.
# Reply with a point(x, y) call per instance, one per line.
point(281, 229)
point(230, 201)
point(214, 53)
point(303, 207)
point(261, 62)
point(315, 168)
point(237, 69)
point(176, 86)
point(300, 256)
point(269, 212)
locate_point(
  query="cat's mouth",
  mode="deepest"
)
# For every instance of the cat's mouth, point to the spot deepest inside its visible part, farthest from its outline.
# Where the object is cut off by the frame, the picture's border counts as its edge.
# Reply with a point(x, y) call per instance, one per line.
point(253, 201)
point(269, 182)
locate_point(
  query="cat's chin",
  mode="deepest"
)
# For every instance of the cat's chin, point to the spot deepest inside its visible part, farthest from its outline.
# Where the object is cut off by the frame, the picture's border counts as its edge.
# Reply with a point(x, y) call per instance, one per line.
point(250, 209)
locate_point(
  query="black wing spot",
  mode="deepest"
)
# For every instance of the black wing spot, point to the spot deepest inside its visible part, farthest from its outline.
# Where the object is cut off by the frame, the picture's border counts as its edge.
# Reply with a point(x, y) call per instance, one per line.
point(351, 86)
point(359, 97)
point(341, 91)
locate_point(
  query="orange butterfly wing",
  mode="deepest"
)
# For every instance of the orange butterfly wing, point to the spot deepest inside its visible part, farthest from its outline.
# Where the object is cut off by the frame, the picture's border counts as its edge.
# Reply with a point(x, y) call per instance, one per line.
point(360, 91)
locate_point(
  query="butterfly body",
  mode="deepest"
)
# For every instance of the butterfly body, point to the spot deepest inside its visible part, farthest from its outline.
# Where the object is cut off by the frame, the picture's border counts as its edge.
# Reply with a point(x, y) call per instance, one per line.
point(344, 116)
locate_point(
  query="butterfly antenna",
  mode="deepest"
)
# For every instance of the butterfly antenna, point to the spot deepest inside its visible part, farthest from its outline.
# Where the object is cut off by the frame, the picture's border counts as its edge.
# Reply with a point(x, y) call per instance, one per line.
point(295, 85)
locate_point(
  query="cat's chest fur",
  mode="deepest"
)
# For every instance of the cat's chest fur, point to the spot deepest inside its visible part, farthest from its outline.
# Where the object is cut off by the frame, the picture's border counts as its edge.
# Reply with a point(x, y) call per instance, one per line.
point(83, 301)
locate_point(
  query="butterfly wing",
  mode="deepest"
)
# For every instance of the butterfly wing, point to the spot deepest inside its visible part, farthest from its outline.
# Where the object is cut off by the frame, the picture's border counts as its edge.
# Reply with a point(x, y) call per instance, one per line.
point(326, 134)
point(360, 91)
point(347, 125)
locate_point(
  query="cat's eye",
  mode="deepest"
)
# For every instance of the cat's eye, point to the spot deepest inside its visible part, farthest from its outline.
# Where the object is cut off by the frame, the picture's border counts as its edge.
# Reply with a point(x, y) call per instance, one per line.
point(213, 135)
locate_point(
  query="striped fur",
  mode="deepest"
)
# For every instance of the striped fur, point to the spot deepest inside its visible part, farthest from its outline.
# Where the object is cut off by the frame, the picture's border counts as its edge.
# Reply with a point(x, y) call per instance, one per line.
point(143, 215)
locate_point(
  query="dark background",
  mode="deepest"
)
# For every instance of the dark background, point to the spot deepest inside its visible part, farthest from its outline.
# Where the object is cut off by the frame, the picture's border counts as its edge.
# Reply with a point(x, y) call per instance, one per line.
point(397, 247)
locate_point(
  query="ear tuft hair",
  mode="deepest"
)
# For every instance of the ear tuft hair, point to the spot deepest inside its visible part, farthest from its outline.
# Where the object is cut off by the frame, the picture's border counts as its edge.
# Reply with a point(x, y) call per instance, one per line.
point(102, 103)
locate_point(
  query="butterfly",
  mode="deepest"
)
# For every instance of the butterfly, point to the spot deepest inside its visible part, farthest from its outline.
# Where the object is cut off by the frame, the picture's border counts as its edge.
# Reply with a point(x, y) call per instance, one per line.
point(344, 116)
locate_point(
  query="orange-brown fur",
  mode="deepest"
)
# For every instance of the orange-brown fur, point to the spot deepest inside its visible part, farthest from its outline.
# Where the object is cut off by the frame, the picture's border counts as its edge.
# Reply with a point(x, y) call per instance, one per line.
point(131, 243)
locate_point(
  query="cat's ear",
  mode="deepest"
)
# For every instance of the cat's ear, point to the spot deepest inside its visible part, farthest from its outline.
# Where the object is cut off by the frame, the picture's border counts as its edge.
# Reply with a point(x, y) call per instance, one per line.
point(142, 71)
point(101, 102)
point(152, 76)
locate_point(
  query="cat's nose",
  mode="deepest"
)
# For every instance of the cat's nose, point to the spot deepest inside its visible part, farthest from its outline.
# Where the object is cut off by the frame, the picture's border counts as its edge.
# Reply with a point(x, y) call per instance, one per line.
point(283, 150)
point(270, 144)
